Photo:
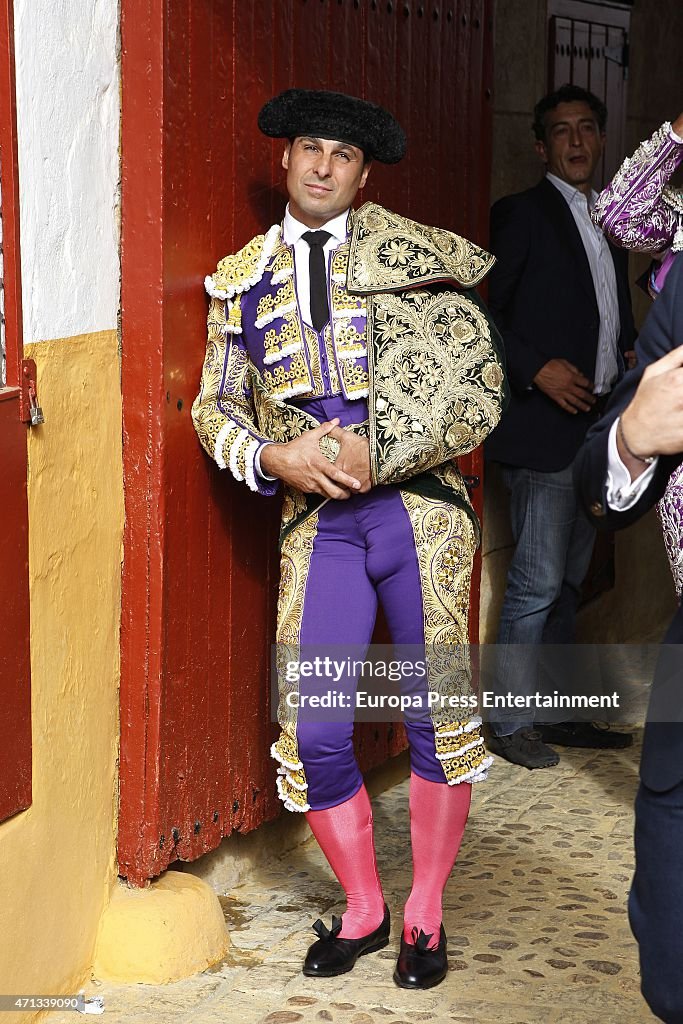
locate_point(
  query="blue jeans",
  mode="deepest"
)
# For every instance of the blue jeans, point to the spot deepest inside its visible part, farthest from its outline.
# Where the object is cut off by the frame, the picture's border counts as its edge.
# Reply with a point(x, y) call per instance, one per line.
point(553, 546)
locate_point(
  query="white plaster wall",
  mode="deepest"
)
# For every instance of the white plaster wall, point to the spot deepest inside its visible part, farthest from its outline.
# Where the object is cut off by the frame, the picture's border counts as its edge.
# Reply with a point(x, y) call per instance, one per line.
point(68, 109)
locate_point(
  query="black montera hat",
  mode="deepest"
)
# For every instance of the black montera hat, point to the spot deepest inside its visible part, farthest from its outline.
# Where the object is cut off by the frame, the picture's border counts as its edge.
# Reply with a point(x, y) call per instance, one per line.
point(333, 115)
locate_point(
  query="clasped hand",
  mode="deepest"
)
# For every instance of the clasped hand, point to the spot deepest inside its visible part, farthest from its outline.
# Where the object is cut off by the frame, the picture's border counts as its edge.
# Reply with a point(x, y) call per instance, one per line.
point(302, 465)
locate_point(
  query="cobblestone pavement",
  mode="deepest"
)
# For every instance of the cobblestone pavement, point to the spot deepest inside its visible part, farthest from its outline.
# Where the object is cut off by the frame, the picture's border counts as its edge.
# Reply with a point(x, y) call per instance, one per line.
point(535, 912)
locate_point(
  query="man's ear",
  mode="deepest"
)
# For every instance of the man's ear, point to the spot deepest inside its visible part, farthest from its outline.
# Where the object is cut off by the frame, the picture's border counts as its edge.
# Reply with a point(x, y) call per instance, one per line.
point(540, 148)
point(285, 155)
point(364, 175)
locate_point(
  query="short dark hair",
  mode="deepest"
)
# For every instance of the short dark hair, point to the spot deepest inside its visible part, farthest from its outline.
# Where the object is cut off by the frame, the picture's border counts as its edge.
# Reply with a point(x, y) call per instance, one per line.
point(567, 94)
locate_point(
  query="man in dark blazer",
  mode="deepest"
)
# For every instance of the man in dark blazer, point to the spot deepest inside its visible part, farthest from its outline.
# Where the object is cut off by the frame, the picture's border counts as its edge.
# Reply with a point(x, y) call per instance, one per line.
point(559, 293)
point(621, 472)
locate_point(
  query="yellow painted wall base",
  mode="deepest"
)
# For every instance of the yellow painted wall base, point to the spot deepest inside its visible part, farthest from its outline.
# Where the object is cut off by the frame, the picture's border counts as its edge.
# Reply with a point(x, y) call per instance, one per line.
point(58, 858)
point(166, 932)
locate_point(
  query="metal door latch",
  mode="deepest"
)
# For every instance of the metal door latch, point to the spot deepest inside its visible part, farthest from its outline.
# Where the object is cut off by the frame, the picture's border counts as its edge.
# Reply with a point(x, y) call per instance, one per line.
point(29, 410)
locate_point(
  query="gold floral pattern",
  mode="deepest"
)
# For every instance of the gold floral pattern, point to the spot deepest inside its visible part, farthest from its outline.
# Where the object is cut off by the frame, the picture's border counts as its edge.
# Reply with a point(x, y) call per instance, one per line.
point(390, 252)
point(437, 385)
point(355, 379)
point(295, 560)
point(445, 543)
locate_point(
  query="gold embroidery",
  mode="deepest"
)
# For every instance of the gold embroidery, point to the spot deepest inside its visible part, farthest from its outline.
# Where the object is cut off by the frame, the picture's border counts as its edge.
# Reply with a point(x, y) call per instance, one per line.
point(241, 456)
point(277, 420)
point(293, 504)
point(451, 477)
point(348, 329)
point(297, 549)
point(222, 407)
point(293, 334)
point(355, 378)
point(284, 340)
point(348, 340)
point(460, 764)
point(233, 324)
point(437, 387)
point(342, 299)
point(282, 265)
point(445, 545)
point(291, 780)
point(390, 252)
point(240, 271)
point(272, 306)
point(236, 268)
point(313, 350)
point(287, 383)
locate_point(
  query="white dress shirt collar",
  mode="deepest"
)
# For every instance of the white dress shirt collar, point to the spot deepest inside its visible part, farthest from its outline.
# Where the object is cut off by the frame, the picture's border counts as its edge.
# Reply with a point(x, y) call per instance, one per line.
point(570, 193)
point(337, 226)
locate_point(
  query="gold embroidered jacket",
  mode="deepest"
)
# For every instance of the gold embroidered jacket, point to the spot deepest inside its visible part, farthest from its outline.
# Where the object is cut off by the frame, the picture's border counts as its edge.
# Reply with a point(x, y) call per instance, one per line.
point(406, 331)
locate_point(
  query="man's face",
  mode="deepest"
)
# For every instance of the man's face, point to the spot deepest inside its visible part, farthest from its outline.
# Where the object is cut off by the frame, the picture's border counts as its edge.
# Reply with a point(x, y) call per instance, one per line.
point(323, 177)
point(573, 143)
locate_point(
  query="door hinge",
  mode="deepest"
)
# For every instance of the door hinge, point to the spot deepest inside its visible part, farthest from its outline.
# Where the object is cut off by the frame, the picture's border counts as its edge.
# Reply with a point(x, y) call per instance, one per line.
point(619, 55)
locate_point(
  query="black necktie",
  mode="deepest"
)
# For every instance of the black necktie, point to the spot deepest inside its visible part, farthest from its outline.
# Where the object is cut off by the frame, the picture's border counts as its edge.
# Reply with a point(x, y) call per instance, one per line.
point(320, 311)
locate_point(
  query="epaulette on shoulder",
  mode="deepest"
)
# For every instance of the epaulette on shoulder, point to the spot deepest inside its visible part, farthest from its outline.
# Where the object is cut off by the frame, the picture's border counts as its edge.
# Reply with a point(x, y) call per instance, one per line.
point(240, 271)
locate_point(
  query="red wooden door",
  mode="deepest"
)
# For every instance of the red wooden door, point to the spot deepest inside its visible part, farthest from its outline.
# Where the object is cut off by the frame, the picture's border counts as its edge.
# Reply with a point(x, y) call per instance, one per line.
point(15, 671)
point(198, 181)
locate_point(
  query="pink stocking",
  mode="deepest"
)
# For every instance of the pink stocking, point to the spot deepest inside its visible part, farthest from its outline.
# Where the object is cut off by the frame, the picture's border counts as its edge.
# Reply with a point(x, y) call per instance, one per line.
point(438, 814)
point(344, 834)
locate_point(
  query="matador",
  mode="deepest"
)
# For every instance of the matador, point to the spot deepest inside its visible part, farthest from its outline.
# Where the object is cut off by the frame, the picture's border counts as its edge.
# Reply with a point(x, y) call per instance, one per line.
point(349, 362)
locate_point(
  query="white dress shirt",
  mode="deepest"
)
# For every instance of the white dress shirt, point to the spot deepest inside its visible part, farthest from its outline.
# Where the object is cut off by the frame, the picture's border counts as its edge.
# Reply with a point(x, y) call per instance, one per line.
point(293, 230)
point(622, 492)
point(604, 281)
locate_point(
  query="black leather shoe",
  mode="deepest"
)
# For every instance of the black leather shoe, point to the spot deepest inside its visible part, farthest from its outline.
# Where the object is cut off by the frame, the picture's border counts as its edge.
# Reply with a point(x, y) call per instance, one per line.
point(525, 747)
point(419, 967)
point(584, 734)
point(330, 956)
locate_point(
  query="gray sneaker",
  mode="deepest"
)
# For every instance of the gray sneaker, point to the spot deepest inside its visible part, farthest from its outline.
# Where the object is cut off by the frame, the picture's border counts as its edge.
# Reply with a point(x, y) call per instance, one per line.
point(524, 747)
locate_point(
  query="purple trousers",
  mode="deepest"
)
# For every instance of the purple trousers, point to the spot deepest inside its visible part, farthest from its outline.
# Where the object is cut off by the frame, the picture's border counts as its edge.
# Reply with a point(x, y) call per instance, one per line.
point(363, 553)
point(336, 567)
